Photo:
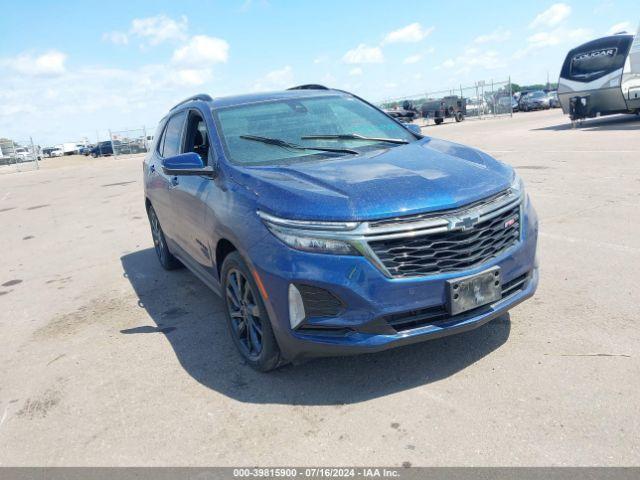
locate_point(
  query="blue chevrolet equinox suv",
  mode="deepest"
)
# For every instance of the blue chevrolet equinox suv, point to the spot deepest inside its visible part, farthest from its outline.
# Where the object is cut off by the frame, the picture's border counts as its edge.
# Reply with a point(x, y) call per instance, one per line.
point(330, 228)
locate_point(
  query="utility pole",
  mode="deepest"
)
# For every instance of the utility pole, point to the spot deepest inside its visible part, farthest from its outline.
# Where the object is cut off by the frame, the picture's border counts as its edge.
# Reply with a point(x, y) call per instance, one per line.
point(547, 79)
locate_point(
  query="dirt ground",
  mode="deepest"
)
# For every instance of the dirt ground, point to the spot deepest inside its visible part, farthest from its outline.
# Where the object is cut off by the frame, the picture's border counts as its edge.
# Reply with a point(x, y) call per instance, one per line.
point(108, 360)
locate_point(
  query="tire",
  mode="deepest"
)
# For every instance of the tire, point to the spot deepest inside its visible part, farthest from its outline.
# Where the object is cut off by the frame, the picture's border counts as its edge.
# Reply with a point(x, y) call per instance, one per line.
point(459, 117)
point(247, 318)
point(94, 154)
point(438, 120)
point(165, 257)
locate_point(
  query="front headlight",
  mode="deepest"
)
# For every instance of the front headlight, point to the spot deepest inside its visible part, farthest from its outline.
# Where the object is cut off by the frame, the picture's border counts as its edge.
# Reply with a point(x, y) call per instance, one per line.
point(517, 185)
point(311, 236)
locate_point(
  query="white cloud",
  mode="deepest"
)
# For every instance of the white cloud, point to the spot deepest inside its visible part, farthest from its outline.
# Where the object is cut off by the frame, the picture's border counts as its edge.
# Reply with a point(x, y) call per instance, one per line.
point(474, 59)
point(159, 29)
point(355, 72)
point(497, 36)
point(201, 51)
point(115, 37)
point(620, 27)
point(364, 54)
point(412, 59)
point(558, 36)
point(49, 64)
point(282, 76)
point(275, 80)
point(192, 76)
point(410, 34)
point(552, 16)
point(321, 59)
point(448, 63)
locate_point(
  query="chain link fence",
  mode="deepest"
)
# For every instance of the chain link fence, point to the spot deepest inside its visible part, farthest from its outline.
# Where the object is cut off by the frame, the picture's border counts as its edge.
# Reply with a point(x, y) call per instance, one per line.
point(18, 155)
point(483, 99)
point(129, 142)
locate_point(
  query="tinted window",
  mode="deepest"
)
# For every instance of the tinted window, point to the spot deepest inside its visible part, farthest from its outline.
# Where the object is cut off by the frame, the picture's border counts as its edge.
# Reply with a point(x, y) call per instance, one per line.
point(173, 135)
point(595, 59)
point(291, 119)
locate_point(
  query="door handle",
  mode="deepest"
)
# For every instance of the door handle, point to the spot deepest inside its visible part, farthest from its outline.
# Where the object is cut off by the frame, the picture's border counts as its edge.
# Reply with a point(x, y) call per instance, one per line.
point(174, 182)
point(152, 169)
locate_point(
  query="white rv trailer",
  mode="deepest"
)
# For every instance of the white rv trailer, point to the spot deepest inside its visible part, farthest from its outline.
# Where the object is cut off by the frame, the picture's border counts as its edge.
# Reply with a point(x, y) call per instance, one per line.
point(601, 77)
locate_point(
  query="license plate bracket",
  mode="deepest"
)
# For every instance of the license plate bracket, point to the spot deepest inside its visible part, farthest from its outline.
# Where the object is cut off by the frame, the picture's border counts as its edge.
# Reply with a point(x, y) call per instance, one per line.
point(473, 291)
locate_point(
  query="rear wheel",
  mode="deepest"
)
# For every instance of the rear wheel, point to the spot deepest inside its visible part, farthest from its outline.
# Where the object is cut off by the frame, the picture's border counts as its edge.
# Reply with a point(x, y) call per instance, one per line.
point(165, 257)
point(439, 121)
point(459, 117)
point(247, 317)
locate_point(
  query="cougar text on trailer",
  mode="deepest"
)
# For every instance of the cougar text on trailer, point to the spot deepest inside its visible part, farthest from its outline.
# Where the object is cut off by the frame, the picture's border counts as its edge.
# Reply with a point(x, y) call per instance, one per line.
point(601, 77)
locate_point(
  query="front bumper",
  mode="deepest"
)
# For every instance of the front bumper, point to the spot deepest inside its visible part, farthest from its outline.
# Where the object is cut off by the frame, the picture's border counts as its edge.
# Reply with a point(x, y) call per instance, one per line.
point(371, 298)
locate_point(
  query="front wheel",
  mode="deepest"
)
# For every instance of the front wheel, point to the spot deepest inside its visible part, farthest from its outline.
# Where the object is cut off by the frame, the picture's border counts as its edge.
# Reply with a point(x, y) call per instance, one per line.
point(247, 318)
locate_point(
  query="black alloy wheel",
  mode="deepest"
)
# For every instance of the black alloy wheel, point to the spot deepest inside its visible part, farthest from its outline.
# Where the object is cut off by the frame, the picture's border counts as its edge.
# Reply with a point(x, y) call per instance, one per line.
point(165, 257)
point(247, 317)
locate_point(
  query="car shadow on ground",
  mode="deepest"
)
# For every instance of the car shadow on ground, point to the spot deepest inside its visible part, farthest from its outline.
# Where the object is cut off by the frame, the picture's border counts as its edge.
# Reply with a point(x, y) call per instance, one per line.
point(190, 316)
point(613, 122)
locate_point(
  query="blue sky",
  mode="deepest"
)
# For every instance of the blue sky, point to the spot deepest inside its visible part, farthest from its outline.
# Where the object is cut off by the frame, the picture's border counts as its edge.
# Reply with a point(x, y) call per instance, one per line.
point(72, 68)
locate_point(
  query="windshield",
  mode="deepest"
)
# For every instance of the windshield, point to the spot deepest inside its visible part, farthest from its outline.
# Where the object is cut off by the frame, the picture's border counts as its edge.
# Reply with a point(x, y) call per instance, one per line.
point(292, 119)
point(538, 94)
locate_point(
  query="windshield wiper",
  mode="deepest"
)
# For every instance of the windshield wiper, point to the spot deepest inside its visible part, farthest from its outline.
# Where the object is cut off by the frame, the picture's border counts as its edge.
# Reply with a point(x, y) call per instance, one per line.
point(353, 136)
point(284, 144)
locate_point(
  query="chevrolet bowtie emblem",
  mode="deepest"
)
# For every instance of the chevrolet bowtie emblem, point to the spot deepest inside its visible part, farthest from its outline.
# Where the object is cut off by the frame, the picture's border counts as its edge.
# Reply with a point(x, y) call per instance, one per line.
point(464, 223)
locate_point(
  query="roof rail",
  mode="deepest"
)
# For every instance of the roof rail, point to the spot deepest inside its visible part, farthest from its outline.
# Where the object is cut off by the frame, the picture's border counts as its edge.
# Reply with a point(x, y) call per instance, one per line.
point(309, 86)
point(201, 96)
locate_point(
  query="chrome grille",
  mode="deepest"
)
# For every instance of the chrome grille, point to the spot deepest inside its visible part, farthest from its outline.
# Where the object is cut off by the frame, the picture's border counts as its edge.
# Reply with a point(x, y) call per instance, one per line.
point(451, 250)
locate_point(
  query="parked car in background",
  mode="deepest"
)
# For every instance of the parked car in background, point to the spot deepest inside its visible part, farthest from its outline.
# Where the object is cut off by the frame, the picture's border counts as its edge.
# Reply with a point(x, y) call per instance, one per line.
point(102, 149)
point(52, 152)
point(69, 148)
point(476, 108)
point(536, 100)
point(85, 150)
point(506, 104)
point(128, 146)
point(554, 102)
point(46, 151)
point(21, 153)
point(329, 228)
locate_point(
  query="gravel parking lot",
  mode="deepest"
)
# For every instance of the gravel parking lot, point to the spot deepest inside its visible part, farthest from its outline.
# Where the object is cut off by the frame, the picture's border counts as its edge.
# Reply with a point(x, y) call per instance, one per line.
point(106, 359)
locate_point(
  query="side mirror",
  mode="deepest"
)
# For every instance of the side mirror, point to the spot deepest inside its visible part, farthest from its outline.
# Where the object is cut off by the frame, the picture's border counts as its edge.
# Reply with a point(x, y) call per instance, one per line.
point(414, 128)
point(189, 163)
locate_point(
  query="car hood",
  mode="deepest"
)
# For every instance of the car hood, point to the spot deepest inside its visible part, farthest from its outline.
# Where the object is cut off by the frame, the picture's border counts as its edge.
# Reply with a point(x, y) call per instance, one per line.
point(427, 175)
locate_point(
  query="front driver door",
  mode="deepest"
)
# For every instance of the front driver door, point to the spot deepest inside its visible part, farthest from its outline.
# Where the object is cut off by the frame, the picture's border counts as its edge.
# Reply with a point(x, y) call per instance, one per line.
point(189, 193)
point(168, 147)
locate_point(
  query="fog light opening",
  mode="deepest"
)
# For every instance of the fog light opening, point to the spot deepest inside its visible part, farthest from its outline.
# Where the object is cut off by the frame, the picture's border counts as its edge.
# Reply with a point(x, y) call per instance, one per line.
point(296, 307)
